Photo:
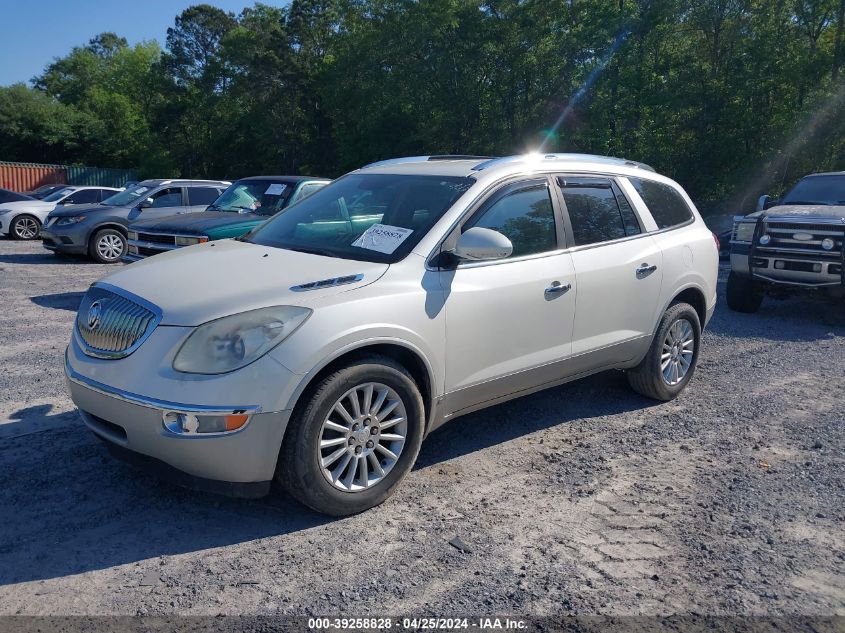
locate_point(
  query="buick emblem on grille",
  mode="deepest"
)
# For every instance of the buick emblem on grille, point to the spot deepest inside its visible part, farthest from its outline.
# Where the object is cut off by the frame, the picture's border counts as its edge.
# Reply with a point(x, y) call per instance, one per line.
point(802, 237)
point(95, 313)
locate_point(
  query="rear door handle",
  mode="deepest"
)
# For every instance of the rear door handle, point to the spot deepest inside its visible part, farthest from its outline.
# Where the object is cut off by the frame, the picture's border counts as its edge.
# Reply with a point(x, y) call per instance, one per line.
point(557, 289)
point(645, 270)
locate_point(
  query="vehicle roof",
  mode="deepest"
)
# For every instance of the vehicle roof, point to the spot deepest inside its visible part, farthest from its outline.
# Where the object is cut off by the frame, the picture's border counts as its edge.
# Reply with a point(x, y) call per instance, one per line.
point(825, 173)
point(464, 166)
point(155, 182)
point(288, 178)
point(80, 187)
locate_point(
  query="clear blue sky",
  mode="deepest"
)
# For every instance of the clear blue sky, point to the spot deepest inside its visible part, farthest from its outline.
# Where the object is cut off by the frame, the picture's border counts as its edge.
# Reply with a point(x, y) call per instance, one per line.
point(34, 32)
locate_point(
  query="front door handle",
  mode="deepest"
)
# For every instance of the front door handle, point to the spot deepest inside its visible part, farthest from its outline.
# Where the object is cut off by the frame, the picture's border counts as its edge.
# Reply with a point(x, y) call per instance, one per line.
point(645, 270)
point(557, 289)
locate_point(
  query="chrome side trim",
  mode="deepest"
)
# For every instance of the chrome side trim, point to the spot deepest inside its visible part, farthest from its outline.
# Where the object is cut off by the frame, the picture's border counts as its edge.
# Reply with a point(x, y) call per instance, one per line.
point(153, 403)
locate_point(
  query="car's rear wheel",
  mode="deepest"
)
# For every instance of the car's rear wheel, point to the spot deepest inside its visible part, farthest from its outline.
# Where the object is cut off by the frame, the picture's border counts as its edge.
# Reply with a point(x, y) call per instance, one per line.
point(742, 294)
point(25, 227)
point(354, 439)
point(107, 246)
point(671, 359)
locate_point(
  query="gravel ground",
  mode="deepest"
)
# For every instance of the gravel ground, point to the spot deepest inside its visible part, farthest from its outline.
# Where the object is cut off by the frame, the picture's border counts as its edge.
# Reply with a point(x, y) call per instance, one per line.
point(584, 499)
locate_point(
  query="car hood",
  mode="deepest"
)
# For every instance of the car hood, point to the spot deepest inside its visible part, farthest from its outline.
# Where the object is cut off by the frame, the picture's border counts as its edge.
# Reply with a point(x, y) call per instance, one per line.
point(803, 211)
point(195, 223)
point(199, 283)
point(77, 209)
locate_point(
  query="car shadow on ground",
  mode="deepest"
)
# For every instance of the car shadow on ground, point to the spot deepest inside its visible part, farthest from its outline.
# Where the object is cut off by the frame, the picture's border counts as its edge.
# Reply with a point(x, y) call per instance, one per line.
point(41, 258)
point(69, 507)
point(59, 301)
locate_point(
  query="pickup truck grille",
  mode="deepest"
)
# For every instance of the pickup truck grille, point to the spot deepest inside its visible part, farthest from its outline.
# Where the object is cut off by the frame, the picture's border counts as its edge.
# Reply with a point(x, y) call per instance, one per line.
point(800, 238)
point(111, 325)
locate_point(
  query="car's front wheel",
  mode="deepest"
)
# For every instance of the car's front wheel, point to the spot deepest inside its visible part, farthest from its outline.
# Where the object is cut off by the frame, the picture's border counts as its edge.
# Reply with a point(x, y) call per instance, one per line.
point(356, 436)
point(25, 227)
point(107, 246)
point(671, 359)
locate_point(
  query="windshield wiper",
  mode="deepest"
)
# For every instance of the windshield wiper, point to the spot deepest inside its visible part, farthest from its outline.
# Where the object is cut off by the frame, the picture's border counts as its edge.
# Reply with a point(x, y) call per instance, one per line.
point(806, 202)
point(310, 251)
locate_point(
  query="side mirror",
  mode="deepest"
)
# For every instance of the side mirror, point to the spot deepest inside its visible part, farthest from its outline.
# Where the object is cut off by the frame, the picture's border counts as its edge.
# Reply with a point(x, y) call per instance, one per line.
point(761, 203)
point(478, 244)
point(145, 204)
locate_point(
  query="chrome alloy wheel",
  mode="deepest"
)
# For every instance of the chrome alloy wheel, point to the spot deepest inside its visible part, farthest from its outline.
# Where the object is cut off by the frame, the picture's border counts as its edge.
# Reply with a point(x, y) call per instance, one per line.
point(678, 350)
point(362, 437)
point(26, 228)
point(110, 246)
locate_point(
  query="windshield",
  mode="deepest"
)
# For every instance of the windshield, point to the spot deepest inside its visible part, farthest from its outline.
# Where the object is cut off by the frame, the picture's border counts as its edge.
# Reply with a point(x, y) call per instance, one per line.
point(264, 197)
point(369, 217)
point(817, 190)
point(126, 197)
point(57, 195)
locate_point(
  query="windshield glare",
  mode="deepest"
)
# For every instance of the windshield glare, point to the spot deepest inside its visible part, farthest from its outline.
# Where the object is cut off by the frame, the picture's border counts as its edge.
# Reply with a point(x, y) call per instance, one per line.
point(369, 217)
point(828, 190)
point(263, 197)
point(127, 196)
point(57, 195)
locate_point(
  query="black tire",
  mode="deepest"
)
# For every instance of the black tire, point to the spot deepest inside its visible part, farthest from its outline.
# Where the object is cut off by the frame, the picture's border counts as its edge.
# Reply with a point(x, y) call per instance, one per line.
point(647, 378)
point(21, 227)
point(98, 253)
point(742, 294)
point(298, 469)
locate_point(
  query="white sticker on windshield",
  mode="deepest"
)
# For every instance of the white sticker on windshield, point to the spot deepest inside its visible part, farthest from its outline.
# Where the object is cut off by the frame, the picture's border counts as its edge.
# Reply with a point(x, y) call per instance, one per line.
point(141, 190)
point(275, 189)
point(382, 238)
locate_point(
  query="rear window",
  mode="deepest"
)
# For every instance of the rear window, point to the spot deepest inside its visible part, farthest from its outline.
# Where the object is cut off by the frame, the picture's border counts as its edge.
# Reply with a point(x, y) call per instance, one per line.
point(666, 205)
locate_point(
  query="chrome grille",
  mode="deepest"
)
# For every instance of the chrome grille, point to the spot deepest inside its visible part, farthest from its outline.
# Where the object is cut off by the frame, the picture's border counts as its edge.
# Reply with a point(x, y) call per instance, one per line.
point(113, 325)
point(783, 238)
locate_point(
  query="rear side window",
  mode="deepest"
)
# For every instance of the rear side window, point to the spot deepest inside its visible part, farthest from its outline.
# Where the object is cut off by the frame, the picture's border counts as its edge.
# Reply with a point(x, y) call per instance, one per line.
point(202, 195)
point(83, 196)
point(525, 217)
point(666, 205)
point(597, 211)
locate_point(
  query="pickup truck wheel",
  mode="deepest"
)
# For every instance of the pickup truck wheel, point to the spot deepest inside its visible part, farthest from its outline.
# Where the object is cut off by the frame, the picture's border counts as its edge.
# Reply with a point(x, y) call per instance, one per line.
point(107, 246)
point(25, 227)
point(670, 362)
point(742, 294)
point(354, 439)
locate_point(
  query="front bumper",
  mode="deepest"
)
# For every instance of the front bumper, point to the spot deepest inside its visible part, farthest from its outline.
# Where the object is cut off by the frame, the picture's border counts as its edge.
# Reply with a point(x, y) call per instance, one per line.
point(239, 463)
point(65, 239)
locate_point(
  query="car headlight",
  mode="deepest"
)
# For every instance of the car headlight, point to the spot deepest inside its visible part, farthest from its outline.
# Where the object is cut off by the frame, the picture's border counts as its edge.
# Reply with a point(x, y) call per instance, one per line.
point(70, 220)
point(232, 342)
point(190, 241)
point(744, 231)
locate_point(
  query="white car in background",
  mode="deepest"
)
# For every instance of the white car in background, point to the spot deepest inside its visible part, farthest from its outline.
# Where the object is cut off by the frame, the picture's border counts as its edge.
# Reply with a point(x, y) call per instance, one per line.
point(22, 220)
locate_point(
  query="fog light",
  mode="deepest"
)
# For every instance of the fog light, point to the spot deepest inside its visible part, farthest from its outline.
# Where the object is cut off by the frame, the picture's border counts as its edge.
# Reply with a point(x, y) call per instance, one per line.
point(765, 239)
point(192, 424)
point(827, 244)
point(817, 268)
point(780, 265)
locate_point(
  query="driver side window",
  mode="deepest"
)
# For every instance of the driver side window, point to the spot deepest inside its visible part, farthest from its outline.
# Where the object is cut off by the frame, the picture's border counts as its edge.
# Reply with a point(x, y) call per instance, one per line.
point(171, 197)
point(526, 217)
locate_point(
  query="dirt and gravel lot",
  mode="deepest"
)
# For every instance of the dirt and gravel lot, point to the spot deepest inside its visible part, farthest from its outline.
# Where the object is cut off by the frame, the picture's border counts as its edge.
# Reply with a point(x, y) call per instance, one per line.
point(582, 499)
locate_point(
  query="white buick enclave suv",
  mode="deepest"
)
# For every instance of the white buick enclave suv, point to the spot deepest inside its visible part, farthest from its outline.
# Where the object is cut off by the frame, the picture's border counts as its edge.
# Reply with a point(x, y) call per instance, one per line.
point(323, 346)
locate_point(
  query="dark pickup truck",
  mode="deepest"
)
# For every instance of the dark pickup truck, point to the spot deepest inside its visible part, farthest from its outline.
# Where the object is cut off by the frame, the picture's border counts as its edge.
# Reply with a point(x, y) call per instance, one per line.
point(791, 244)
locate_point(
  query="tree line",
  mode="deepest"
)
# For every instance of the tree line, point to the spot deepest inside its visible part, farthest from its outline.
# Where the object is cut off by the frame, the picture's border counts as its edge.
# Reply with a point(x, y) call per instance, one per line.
point(729, 97)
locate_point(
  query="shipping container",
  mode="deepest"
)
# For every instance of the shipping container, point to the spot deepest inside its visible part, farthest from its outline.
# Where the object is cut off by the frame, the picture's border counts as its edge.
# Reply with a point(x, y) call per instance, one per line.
point(30, 176)
point(98, 176)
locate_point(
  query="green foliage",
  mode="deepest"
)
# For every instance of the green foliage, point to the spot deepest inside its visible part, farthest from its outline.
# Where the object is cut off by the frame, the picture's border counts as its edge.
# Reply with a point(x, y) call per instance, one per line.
point(732, 98)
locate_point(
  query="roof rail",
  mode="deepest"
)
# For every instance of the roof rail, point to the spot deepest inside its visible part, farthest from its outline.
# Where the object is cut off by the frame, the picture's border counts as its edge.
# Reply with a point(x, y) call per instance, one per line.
point(459, 157)
point(562, 157)
point(397, 161)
